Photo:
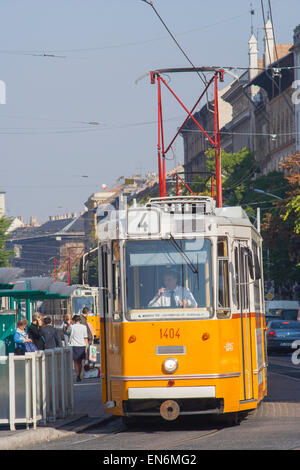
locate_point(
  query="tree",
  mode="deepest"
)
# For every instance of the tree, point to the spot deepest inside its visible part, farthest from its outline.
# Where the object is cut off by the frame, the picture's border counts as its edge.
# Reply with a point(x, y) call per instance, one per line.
point(291, 167)
point(281, 228)
point(241, 176)
point(280, 218)
point(234, 166)
point(75, 274)
point(5, 255)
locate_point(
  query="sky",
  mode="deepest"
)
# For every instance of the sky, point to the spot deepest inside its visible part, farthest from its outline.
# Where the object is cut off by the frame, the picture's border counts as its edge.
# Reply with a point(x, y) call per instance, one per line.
point(76, 118)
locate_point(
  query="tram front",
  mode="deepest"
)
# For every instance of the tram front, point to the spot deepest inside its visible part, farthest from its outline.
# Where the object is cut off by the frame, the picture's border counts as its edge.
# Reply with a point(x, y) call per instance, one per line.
point(167, 346)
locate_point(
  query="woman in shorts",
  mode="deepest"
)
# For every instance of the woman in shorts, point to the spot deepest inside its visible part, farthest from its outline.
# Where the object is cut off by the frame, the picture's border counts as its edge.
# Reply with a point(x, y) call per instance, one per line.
point(79, 342)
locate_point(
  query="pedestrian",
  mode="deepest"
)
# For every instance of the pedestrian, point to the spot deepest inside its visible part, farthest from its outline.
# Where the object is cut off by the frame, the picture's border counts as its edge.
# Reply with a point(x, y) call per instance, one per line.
point(79, 342)
point(35, 333)
point(66, 328)
point(21, 337)
point(50, 334)
point(84, 321)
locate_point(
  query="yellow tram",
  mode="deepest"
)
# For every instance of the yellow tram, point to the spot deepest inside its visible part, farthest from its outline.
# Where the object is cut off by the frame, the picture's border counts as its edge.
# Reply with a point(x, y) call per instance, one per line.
point(182, 309)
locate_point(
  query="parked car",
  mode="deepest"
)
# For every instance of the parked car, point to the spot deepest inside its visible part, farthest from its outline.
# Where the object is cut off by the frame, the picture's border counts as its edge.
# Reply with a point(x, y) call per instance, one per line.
point(270, 318)
point(287, 309)
point(281, 334)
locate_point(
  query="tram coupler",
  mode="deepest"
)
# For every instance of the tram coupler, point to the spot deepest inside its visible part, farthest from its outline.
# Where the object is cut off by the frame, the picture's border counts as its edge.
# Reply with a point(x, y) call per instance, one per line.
point(169, 410)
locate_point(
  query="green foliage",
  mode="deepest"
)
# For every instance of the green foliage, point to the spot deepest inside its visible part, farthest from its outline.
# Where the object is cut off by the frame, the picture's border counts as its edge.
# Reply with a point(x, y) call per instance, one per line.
point(93, 271)
point(293, 206)
point(5, 255)
point(240, 177)
point(280, 218)
point(234, 165)
point(75, 274)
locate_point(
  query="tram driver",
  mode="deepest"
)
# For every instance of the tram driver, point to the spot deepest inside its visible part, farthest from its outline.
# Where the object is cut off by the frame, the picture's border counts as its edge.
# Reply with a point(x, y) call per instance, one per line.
point(173, 295)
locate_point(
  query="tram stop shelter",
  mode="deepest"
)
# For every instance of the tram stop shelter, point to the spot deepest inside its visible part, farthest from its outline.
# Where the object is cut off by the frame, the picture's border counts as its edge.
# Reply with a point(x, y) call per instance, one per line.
point(27, 291)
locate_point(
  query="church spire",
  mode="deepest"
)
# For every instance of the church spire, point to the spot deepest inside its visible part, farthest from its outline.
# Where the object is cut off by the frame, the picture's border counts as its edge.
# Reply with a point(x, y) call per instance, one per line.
point(269, 55)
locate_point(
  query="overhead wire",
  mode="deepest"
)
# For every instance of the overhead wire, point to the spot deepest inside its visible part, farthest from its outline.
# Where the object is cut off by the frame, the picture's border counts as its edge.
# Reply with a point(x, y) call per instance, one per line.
point(35, 118)
point(174, 39)
point(82, 129)
point(113, 46)
point(266, 134)
point(200, 75)
point(35, 131)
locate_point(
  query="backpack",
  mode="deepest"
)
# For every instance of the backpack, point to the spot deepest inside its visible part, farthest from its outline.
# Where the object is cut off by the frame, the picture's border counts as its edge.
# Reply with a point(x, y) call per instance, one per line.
point(84, 322)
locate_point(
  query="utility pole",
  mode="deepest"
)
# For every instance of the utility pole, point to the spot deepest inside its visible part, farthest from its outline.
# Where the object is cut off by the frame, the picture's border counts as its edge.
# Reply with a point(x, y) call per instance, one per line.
point(258, 219)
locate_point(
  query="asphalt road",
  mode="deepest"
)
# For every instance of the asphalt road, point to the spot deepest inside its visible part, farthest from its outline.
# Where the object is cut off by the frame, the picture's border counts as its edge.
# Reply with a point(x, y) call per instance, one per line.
point(274, 426)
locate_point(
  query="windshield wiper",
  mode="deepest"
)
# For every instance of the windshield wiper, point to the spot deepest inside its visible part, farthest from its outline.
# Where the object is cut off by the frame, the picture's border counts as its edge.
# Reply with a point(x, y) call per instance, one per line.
point(184, 255)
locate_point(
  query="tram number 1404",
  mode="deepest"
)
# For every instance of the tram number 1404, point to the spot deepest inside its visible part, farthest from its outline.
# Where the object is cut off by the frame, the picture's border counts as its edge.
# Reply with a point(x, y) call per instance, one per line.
point(169, 333)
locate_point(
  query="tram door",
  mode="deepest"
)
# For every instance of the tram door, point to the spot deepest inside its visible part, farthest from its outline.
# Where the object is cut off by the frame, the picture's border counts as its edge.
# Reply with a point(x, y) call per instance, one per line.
point(111, 314)
point(105, 313)
point(243, 303)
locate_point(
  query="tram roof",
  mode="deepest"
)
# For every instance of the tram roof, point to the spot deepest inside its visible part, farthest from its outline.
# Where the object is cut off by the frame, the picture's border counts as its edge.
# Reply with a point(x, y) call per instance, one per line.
point(161, 217)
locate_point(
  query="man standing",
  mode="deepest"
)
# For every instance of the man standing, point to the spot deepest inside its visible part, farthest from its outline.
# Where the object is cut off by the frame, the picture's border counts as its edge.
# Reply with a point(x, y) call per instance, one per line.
point(79, 342)
point(50, 334)
point(84, 321)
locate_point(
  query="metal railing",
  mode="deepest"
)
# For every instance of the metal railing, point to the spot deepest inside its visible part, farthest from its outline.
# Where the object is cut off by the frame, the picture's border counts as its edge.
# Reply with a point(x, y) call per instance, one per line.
point(36, 387)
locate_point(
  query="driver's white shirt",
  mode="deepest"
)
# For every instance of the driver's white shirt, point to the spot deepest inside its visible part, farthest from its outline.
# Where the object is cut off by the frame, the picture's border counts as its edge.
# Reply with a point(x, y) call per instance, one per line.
point(180, 293)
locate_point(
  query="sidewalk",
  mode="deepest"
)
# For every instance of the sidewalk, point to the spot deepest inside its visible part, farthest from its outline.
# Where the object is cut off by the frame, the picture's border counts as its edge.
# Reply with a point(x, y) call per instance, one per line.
point(88, 411)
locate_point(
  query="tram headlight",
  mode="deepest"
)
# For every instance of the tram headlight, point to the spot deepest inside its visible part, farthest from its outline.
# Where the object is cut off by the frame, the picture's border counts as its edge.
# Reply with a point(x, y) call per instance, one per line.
point(170, 365)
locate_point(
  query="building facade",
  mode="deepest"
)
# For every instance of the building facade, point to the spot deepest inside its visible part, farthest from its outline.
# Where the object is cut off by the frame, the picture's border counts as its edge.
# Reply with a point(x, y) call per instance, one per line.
point(261, 115)
point(44, 249)
point(296, 85)
point(274, 114)
point(195, 143)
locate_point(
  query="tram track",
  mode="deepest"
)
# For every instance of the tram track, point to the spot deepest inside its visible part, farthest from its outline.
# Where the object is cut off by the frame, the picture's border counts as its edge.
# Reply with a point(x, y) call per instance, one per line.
point(184, 441)
point(196, 435)
point(121, 429)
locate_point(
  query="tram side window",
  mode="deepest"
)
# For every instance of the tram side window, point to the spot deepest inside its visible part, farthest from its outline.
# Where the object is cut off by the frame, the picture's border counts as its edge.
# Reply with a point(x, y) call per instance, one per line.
point(223, 284)
point(244, 280)
point(223, 279)
point(237, 276)
point(241, 277)
point(257, 276)
point(104, 280)
point(116, 283)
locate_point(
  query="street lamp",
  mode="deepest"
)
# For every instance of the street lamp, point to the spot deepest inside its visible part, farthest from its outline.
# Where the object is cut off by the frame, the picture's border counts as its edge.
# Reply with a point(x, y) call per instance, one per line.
point(258, 209)
point(268, 194)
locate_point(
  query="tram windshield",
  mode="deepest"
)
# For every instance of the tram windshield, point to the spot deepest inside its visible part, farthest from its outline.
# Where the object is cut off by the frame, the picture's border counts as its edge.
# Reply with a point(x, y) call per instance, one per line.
point(79, 302)
point(169, 279)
